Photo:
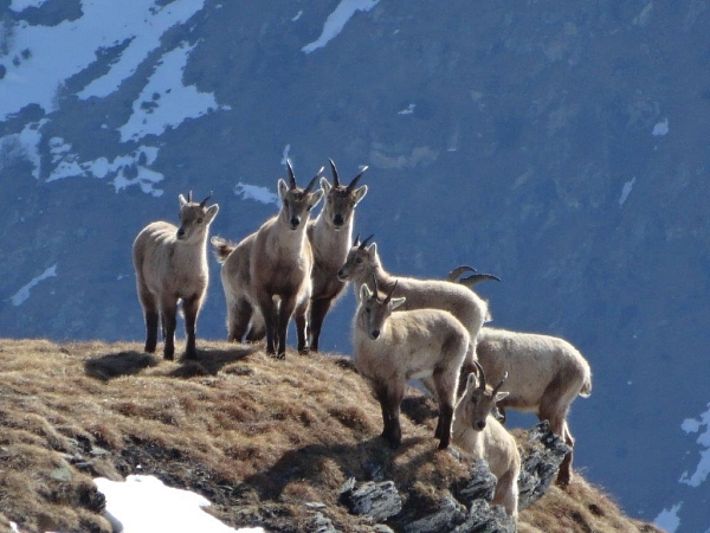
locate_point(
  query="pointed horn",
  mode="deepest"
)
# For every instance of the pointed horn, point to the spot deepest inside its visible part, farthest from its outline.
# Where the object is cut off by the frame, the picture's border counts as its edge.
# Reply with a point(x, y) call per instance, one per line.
point(313, 180)
point(364, 243)
point(497, 387)
point(336, 178)
point(477, 278)
point(353, 183)
point(356, 242)
point(481, 375)
point(291, 175)
point(189, 197)
point(389, 296)
point(456, 272)
point(204, 202)
point(375, 286)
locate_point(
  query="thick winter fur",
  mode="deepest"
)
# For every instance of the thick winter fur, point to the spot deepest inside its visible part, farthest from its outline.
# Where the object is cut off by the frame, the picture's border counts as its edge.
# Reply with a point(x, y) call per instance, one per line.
point(171, 265)
point(363, 262)
point(478, 434)
point(392, 347)
point(546, 375)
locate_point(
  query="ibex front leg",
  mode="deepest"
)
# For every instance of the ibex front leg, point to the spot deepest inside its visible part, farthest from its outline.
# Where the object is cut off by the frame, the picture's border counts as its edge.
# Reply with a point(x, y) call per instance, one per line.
point(288, 303)
point(268, 311)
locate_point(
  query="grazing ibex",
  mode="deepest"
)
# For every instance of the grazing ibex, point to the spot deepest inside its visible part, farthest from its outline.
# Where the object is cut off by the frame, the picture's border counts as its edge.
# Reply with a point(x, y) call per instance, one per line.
point(477, 433)
point(546, 375)
point(392, 347)
point(363, 263)
point(171, 265)
point(280, 263)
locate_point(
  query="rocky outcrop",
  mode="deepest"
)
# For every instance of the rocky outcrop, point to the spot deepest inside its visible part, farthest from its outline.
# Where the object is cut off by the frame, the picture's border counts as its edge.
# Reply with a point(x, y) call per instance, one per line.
point(379, 501)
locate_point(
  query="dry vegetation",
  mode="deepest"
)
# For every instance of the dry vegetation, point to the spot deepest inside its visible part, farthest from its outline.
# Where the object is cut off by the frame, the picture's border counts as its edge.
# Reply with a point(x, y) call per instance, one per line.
point(257, 436)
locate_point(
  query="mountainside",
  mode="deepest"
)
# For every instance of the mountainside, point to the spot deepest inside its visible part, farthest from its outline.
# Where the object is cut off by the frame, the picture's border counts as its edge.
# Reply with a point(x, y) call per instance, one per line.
point(268, 442)
point(559, 145)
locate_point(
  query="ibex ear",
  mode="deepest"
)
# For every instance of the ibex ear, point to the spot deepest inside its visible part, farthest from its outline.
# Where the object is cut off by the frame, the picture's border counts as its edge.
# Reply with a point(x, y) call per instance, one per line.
point(501, 396)
point(212, 212)
point(396, 302)
point(182, 200)
point(471, 382)
point(372, 249)
point(325, 185)
point(360, 193)
point(315, 197)
point(365, 293)
point(282, 188)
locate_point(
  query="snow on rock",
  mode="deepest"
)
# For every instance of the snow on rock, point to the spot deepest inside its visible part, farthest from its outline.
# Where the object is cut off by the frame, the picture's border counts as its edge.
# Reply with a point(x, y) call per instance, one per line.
point(337, 20)
point(143, 504)
point(297, 16)
point(165, 102)
point(23, 145)
point(668, 519)
point(702, 470)
point(255, 192)
point(661, 128)
point(407, 110)
point(24, 293)
point(37, 68)
point(20, 5)
point(626, 190)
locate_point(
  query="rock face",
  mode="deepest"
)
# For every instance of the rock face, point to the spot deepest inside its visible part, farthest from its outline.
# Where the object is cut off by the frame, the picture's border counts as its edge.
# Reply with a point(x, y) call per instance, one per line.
point(379, 501)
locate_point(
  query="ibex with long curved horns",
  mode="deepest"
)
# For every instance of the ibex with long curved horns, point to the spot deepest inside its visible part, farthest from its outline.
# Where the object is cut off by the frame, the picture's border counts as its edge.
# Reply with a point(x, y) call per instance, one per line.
point(171, 265)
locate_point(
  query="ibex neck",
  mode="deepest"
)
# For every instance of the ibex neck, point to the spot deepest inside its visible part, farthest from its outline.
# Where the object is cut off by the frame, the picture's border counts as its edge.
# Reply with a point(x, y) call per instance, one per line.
point(331, 244)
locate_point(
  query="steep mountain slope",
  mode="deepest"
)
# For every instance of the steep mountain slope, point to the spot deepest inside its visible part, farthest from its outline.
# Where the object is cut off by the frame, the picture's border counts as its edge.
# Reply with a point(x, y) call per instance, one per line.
point(559, 145)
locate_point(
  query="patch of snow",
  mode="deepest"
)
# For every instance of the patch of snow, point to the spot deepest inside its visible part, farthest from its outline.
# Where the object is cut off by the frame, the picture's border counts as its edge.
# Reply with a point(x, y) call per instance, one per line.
point(20, 5)
point(407, 110)
point(24, 293)
point(298, 15)
point(702, 470)
point(165, 102)
point(45, 67)
point(661, 128)
point(14, 527)
point(284, 156)
point(255, 192)
point(143, 504)
point(337, 20)
point(626, 190)
point(668, 518)
point(23, 145)
point(127, 170)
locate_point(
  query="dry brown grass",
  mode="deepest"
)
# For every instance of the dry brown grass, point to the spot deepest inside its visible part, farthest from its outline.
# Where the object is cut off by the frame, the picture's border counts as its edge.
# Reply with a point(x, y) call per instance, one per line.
point(255, 435)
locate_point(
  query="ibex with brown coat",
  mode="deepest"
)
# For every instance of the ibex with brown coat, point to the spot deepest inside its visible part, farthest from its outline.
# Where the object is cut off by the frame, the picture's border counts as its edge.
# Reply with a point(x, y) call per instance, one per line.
point(392, 347)
point(171, 265)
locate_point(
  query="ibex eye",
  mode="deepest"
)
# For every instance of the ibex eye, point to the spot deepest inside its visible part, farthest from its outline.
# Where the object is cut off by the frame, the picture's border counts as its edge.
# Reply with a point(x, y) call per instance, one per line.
point(199, 221)
point(358, 260)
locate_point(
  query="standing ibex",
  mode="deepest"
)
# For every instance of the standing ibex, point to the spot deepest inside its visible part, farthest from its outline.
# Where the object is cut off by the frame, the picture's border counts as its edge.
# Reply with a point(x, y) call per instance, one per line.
point(393, 347)
point(477, 432)
point(363, 263)
point(171, 265)
point(546, 375)
point(280, 261)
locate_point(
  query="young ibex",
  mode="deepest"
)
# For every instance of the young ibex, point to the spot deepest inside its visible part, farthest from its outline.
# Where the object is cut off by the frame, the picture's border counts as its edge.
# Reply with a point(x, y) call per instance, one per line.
point(546, 375)
point(477, 433)
point(363, 263)
point(393, 347)
point(280, 262)
point(171, 265)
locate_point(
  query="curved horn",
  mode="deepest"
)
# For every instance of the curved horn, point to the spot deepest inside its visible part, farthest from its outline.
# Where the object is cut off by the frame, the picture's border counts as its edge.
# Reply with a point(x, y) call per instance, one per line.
point(336, 178)
point(481, 375)
point(356, 241)
point(495, 390)
point(313, 180)
point(477, 278)
point(189, 197)
point(204, 202)
point(389, 296)
point(364, 243)
point(291, 175)
point(456, 272)
point(353, 183)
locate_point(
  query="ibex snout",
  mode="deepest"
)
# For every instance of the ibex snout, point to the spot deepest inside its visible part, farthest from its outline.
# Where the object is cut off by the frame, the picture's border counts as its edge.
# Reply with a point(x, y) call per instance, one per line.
point(480, 425)
point(375, 333)
point(295, 221)
point(341, 275)
point(181, 233)
point(338, 220)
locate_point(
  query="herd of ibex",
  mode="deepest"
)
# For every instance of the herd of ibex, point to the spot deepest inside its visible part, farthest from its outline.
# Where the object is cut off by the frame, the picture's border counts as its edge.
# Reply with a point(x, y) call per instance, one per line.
point(403, 328)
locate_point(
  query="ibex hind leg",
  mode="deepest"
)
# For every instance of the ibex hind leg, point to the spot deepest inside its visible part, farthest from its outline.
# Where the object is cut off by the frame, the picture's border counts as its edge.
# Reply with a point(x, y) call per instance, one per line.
point(300, 316)
point(319, 308)
point(191, 308)
point(150, 311)
point(239, 314)
point(168, 312)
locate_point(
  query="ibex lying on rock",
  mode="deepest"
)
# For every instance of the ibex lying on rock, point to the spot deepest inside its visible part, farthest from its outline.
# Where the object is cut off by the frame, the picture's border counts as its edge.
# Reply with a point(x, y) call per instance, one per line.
point(171, 265)
point(546, 375)
point(280, 261)
point(477, 433)
point(393, 347)
point(363, 263)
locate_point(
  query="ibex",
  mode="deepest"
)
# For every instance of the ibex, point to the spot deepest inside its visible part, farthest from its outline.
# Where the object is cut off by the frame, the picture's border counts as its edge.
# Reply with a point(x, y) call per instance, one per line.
point(171, 265)
point(280, 262)
point(478, 434)
point(392, 347)
point(546, 375)
point(363, 263)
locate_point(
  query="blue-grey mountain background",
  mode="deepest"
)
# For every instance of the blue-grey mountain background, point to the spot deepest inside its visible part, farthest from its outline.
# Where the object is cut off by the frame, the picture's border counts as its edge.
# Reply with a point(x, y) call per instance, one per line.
point(560, 145)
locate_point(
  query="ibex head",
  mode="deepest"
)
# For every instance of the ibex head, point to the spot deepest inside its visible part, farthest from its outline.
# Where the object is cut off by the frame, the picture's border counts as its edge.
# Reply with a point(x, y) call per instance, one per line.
point(373, 311)
point(361, 261)
point(340, 200)
point(296, 202)
point(479, 400)
point(195, 218)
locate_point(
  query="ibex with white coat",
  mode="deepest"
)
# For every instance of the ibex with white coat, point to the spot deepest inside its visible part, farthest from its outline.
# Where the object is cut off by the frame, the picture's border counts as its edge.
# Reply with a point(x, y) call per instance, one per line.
point(363, 263)
point(478, 434)
point(171, 265)
point(392, 347)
